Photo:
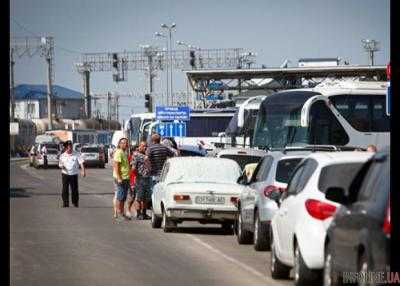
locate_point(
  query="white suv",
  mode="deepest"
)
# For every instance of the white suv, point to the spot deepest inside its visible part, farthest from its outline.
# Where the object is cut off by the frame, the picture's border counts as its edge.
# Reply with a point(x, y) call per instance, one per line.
point(298, 228)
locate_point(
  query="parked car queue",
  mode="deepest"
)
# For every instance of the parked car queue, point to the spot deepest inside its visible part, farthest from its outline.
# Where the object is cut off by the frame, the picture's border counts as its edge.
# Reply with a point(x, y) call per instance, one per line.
point(319, 210)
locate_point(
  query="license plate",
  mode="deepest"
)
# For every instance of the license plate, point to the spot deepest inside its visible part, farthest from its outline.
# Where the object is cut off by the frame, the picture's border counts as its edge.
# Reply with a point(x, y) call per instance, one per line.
point(52, 157)
point(209, 200)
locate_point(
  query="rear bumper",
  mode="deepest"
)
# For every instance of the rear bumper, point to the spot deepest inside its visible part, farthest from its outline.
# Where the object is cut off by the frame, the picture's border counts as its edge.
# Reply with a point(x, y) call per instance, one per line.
point(209, 215)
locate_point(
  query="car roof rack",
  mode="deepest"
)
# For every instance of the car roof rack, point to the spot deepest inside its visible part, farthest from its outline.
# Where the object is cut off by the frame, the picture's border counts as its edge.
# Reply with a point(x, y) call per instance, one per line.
point(323, 148)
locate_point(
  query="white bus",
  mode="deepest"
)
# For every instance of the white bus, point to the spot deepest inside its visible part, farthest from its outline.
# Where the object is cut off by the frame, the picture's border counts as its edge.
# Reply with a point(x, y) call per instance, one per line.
point(241, 127)
point(344, 113)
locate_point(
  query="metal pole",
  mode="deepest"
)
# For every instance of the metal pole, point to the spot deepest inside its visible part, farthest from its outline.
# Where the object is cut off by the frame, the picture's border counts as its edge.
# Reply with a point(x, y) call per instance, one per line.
point(49, 95)
point(12, 86)
point(170, 53)
point(86, 86)
point(150, 57)
point(167, 70)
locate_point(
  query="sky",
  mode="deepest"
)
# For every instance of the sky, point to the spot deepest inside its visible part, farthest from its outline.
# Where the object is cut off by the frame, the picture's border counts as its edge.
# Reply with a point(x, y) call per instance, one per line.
point(275, 30)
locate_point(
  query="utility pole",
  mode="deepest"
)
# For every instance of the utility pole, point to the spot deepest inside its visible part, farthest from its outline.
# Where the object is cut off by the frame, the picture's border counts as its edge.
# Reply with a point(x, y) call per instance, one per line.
point(86, 89)
point(12, 63)
point(370, 46)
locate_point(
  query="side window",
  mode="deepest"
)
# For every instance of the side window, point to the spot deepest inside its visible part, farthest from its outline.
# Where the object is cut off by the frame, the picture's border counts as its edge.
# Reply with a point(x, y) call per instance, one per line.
point(380, 120)
point(309, 167)
point(365, 113)
point(324, 127)
point(371, 182)
point(264, 168)
point(294, 181)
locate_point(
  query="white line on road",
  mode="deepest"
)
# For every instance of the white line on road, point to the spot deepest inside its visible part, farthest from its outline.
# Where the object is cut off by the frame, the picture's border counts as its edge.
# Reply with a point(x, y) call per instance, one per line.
point(233, 260)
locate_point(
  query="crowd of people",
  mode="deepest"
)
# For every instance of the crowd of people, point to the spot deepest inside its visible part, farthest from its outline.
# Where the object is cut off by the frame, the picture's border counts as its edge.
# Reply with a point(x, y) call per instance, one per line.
point(136, 171)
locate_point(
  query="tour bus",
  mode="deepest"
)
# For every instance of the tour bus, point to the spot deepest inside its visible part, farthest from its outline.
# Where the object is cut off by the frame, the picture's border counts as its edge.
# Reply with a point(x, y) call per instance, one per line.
point(241, 127)
point(203, 128)
point(346, 113)
point(135, 125)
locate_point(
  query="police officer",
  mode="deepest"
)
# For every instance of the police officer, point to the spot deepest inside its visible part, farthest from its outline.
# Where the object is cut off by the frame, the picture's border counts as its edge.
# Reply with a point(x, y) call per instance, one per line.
point(69, 163)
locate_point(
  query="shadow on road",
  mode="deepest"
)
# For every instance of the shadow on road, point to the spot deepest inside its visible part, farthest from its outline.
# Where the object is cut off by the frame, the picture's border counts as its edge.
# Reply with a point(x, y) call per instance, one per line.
point(203, 230)
point(20, 192)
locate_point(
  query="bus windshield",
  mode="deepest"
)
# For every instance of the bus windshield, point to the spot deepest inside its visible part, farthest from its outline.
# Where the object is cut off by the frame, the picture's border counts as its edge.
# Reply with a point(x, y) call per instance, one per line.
point(278, 121)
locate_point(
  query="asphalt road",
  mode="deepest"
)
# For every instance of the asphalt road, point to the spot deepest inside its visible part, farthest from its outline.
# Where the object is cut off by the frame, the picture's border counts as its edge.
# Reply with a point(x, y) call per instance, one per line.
point(50, 245)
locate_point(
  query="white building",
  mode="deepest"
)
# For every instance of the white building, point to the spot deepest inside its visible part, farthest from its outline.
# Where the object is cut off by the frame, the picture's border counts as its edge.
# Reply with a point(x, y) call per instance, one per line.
point(31, 102)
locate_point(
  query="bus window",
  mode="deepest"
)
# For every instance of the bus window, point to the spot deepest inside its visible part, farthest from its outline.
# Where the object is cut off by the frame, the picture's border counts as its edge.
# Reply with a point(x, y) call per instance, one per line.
point(324, 126)
point(134, 128)
point(365, 113)
point(206, 126)
point(380, 121)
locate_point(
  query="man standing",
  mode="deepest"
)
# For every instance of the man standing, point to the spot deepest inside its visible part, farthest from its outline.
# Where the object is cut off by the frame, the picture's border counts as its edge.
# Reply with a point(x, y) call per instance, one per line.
point(157, 154)
point(69, 163)
point(121, 170)
point(143, 181)
point(44, 154)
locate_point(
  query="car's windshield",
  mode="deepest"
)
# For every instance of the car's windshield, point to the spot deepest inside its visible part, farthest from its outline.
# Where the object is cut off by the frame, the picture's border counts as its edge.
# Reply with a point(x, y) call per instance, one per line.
point(52, 151)
point(278, 121)
point(203, 170)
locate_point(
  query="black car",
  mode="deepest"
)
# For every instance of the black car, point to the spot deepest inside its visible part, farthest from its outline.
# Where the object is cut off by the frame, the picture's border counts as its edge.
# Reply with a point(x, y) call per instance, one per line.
point(358, 239)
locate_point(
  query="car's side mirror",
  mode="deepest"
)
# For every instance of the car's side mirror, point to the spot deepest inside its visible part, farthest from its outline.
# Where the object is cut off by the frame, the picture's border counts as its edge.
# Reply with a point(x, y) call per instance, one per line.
point(336, 194)
point(275, 195)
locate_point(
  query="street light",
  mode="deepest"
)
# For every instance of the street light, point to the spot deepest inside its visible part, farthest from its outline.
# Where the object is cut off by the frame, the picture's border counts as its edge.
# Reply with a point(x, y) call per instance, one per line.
point(170, 28)
point(370, 46)
point(160, 35)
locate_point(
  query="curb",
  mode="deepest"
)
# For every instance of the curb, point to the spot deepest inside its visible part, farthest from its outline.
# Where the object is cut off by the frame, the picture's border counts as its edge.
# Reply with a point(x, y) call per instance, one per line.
point(19, 159)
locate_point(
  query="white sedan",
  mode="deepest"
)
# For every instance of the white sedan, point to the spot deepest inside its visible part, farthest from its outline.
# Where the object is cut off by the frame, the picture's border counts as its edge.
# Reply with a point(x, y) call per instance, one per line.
point(199, 189)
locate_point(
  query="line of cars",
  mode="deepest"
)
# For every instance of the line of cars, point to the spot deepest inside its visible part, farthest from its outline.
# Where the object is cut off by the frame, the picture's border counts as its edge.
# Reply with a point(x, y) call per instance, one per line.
point(319, 210)
point(93, 155)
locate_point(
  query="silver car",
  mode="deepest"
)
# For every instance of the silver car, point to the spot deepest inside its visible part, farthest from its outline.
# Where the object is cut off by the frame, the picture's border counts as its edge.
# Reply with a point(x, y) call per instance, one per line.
point(53, 156)
point(258, 201)
point(93, 155)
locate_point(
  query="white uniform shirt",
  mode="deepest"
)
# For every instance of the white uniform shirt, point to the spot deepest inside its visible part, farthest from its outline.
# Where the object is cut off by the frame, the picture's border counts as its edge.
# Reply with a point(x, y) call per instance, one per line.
point(44, 150)
point(70, 162)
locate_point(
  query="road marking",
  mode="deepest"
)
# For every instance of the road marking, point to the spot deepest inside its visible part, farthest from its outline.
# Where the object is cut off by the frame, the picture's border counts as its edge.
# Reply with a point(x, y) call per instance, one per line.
point(233, 260)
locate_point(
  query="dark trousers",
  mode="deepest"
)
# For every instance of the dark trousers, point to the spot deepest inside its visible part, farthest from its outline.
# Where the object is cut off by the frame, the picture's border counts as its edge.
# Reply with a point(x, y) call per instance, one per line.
point(72, 181)
point(45, 161)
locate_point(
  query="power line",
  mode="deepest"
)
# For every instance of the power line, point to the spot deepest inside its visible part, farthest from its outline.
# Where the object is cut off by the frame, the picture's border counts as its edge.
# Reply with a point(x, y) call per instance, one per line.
point(34, 34)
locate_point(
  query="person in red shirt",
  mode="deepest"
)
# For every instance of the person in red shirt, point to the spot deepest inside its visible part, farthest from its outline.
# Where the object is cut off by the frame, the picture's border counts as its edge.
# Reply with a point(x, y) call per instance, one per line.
point(132, 176)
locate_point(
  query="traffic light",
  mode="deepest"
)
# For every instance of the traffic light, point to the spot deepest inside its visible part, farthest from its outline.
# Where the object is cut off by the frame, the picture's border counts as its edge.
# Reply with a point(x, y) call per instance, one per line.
point(192, 59)
point(148, 102)
point(115, 60)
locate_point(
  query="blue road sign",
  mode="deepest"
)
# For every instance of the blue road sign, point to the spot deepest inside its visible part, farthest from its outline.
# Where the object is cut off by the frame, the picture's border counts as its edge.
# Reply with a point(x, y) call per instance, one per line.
point(388, 99)
point(170, 113)
point(215, 85)
point(171, 129)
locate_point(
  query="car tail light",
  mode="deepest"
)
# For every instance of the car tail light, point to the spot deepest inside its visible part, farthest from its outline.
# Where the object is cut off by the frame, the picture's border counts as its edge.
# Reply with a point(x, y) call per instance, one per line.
point(234, 200)
point(181, 197)
point(320, 210)
point(269, 189)
point(386, 222)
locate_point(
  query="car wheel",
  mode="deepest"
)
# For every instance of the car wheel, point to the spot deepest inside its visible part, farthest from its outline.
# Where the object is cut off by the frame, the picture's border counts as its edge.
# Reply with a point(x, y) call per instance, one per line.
point(155, 221)
point(278, 269)
point(227, 227)
point(166, 224)
point(261, 235)
point(363, 267)
point(330, 277)
point(243, 236)
point(302, 274)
